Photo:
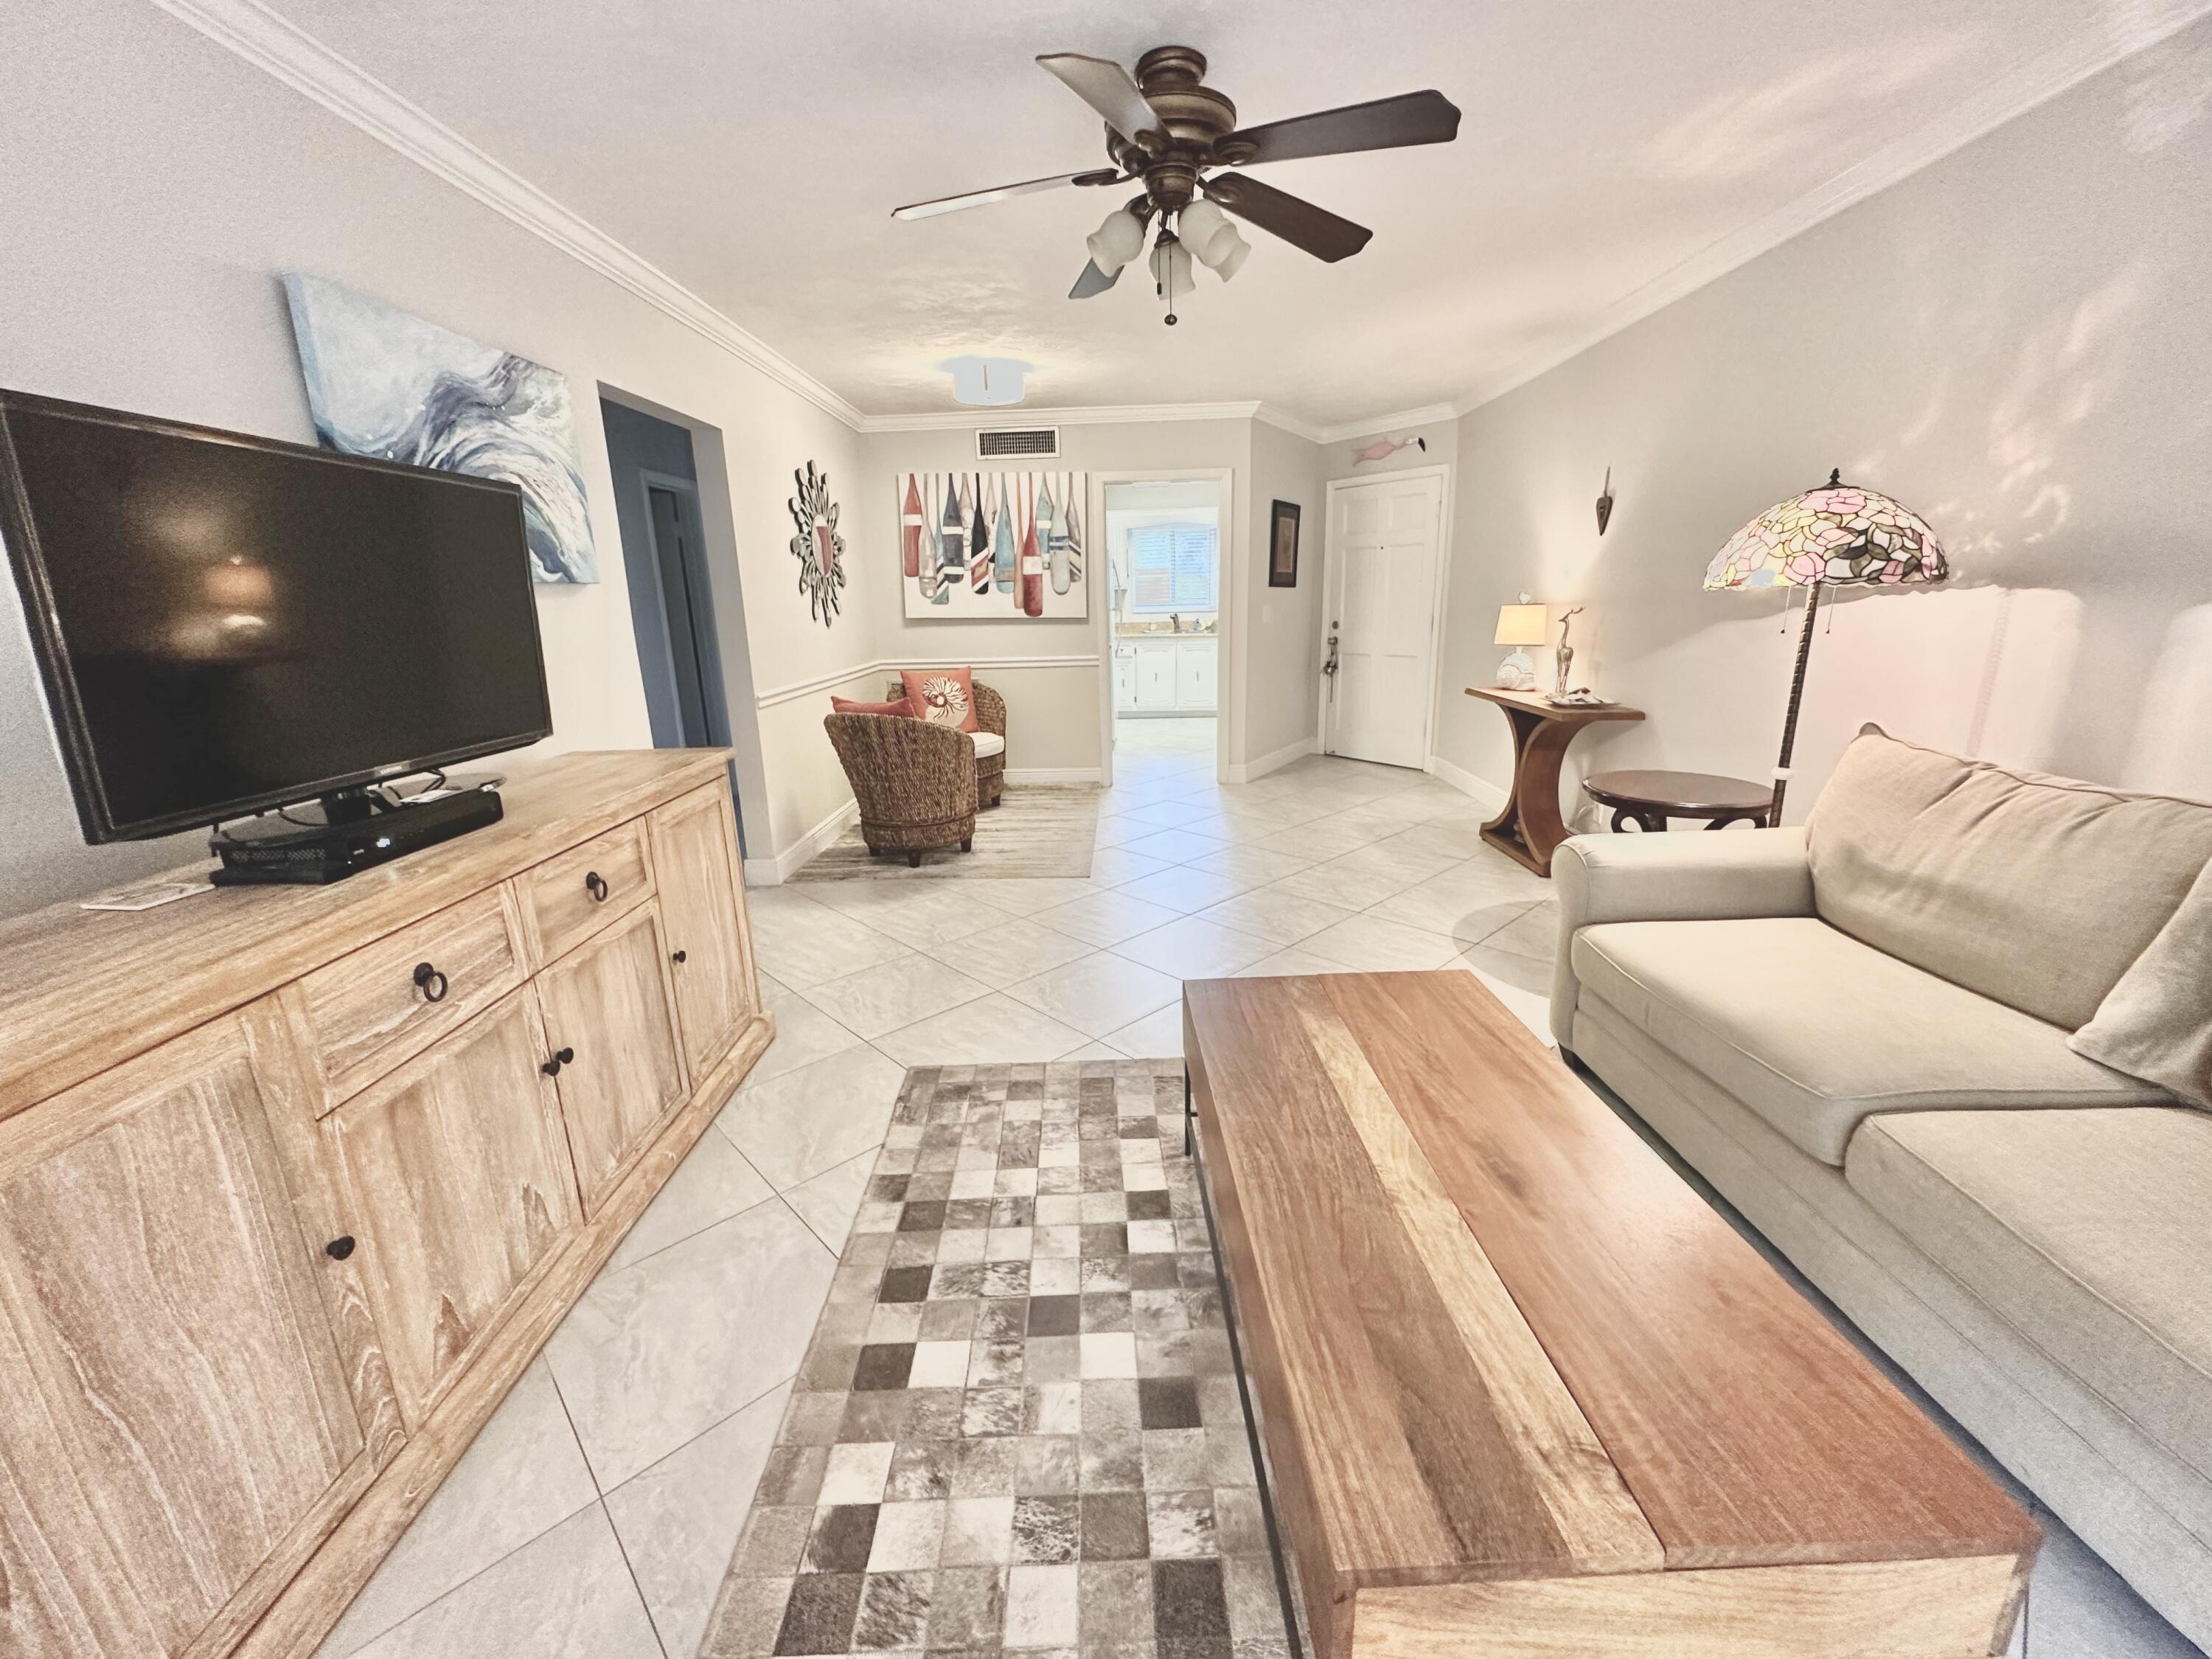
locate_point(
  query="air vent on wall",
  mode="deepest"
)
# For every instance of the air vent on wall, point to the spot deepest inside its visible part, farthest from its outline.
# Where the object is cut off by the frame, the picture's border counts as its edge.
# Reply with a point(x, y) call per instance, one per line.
point(1034, 441)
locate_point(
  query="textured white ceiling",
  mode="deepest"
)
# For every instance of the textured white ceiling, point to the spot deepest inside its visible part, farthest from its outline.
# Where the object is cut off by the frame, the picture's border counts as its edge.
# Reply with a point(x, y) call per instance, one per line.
point(753, 151)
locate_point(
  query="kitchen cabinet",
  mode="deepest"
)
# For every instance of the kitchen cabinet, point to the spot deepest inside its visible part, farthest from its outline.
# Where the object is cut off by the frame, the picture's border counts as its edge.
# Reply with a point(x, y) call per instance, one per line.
point(1167, 674)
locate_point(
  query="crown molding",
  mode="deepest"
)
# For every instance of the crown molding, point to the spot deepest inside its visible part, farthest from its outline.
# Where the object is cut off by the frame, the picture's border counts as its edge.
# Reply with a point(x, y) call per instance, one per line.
point(1021, 415)
point(1978, 112)
point(279, 48)
point(1283, 420)
point(1425, 415)
point(260, 36)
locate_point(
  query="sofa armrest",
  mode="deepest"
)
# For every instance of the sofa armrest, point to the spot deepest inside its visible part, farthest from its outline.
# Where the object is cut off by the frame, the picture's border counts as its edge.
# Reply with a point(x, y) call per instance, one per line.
point(1681, 876)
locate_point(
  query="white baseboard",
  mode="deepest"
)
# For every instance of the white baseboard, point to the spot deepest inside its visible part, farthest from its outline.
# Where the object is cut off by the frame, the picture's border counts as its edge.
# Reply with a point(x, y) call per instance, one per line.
point(774, 872)
point(1252, 770)
point(1467, 783)
point(1060, 774)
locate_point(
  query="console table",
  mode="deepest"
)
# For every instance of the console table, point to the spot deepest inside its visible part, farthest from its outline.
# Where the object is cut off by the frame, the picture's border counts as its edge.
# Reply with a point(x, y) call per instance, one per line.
point(1530, 830)
point(1520, 1393)
point(294, 1182)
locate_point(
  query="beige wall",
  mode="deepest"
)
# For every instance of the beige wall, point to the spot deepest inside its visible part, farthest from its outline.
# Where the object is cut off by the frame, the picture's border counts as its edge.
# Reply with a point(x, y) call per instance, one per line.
point(1281, 625)
point(156, 187)
point(2015, 343)
point(1054, 707)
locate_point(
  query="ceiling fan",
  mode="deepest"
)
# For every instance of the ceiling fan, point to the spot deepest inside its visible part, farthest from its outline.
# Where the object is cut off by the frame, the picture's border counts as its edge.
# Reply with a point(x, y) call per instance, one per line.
point(1169, 131)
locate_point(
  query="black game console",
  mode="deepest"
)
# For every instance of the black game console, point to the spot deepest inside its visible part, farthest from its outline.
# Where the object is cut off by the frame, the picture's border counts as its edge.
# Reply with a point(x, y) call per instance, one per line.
point(283, 851)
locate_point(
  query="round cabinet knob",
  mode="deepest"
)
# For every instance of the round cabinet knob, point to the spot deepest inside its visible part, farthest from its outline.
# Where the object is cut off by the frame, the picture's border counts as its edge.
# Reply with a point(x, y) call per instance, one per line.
point(339, 1249)
point(679, 955)
point(430, 982)
point(596, 885)
point(560, 1058)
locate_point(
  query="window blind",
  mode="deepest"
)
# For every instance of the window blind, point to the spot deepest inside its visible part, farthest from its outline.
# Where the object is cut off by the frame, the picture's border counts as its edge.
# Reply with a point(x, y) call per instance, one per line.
point(1174, 566)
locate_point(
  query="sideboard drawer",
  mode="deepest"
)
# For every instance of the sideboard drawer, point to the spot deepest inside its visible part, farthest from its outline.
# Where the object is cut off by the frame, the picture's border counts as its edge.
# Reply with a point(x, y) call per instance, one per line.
point(388, 1001)
point(567, 900)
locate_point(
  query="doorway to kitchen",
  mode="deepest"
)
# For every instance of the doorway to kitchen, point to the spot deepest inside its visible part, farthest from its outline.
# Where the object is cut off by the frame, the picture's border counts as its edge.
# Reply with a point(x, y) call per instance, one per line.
point(1164, 579)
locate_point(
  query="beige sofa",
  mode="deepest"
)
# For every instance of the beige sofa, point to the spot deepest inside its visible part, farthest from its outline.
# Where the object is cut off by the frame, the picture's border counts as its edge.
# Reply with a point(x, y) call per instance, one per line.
point(1860, 1031)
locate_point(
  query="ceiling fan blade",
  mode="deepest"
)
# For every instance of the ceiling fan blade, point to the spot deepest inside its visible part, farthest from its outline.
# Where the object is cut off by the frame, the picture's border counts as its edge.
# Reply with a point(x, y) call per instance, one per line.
point(1000, 193)
point(1093, 281)
point(1298, 221)
point(1107, 87)
point(1414, 118)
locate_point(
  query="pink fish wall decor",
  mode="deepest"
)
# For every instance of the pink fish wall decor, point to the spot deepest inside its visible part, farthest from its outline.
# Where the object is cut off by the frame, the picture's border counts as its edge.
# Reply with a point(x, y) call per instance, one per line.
point(1384, 448)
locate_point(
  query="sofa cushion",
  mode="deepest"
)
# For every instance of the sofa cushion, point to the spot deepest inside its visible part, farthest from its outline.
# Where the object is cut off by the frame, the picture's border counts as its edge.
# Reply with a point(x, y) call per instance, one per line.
point(2089, 1232)
point(1814, 1030)
point(987, 744)
point(2038, 891)
point(2157, 1021)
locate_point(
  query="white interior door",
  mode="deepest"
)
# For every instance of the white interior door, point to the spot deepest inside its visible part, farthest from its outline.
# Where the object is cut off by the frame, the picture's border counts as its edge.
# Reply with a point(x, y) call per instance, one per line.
point(1383, 546)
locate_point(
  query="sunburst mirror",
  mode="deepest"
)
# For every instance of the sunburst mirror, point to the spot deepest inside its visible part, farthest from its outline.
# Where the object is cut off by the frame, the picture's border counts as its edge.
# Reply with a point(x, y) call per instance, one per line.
point(819, 548)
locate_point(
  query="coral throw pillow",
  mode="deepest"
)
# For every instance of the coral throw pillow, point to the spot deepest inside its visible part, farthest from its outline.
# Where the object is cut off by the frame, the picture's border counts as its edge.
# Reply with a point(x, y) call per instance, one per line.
point(943, 696)
point(846, 706)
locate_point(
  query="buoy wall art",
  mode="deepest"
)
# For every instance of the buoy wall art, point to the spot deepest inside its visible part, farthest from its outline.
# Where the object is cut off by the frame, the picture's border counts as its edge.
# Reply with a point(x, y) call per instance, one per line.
point(984, 546)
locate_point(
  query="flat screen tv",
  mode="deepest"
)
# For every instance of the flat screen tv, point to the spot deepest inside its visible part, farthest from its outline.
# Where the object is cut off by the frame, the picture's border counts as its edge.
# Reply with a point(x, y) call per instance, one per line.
point(226, 624)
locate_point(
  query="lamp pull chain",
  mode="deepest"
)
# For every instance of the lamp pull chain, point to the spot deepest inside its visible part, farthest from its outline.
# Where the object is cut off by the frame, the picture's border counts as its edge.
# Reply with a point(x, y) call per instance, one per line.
point(1788, 599)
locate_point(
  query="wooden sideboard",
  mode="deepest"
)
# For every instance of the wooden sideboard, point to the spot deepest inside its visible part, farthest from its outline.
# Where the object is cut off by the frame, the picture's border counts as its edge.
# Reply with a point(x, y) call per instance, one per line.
point(294, 1182)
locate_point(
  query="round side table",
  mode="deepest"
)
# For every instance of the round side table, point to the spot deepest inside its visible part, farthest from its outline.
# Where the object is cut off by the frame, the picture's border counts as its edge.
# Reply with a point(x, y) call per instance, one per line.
point(1648, 799)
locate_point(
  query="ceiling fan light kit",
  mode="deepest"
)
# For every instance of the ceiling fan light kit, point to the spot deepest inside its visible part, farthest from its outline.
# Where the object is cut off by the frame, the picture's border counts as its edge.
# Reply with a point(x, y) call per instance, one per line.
point(1170, 131)
point(1118, 240)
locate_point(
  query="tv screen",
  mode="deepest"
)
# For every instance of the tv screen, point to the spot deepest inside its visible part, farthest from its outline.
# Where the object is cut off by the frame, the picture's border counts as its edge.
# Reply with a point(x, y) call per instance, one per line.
point(227, 623)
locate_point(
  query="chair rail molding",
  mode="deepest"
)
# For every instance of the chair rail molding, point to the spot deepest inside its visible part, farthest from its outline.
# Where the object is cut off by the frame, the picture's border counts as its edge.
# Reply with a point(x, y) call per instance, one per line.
point(783, 694)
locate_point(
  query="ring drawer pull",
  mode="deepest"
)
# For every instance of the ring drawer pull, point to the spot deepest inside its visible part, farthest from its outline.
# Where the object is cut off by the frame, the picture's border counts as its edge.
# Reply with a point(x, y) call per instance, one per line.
point(562, 1057)
point(596, 885)
point(430, 982)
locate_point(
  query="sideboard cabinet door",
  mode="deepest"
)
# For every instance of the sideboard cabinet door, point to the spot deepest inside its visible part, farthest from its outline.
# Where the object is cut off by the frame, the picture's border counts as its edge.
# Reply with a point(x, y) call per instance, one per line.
point(608, 1019)
point(458, 1183)
point(177, 1429)
point(693, 859)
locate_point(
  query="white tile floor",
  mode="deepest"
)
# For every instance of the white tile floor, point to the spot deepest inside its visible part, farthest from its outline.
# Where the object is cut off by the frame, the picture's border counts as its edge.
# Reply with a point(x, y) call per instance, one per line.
point(594, 1517)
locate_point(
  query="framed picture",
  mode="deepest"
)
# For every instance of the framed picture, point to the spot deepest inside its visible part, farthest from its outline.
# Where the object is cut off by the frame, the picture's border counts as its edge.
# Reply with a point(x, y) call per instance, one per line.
point(1283, 546)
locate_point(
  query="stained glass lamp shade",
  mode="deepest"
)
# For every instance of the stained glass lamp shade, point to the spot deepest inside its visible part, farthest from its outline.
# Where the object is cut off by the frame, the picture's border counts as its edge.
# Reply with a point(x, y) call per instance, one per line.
point(1836, 536)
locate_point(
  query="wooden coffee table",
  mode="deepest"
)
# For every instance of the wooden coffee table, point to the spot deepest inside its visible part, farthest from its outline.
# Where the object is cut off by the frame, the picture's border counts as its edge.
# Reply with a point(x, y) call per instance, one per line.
point(1519, 1391)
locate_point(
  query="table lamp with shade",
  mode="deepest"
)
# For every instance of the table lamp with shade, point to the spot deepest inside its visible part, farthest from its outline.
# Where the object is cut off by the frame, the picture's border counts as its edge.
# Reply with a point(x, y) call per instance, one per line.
point(1836, 536)
point(1520, 626)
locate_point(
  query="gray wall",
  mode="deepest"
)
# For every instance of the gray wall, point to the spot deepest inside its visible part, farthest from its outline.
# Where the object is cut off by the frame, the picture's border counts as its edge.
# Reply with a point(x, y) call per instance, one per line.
point(2016, 343)
point(638, 443)
point(1282, 625)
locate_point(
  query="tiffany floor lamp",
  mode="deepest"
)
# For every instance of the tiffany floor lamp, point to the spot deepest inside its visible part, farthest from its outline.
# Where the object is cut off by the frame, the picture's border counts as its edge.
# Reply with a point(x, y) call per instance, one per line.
point(1836, 536)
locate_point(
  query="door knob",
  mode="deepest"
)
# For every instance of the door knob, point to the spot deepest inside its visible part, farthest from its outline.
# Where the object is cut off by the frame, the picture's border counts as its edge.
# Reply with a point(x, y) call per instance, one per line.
point(679, 955)
point(560, 1058)
point(339, 1249)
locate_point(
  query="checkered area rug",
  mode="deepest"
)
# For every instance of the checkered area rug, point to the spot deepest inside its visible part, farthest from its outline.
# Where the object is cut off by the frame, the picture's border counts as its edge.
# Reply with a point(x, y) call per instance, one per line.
point(1018, 1430)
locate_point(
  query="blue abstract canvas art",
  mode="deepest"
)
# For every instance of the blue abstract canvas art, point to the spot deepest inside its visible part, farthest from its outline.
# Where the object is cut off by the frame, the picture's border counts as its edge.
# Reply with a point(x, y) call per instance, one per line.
point(383, 383)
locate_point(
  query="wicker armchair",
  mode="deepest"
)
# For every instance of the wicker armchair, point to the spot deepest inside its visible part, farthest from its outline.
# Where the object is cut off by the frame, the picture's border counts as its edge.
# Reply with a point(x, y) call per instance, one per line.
point(991, 715)
point(916, 783)
point(990, 769)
